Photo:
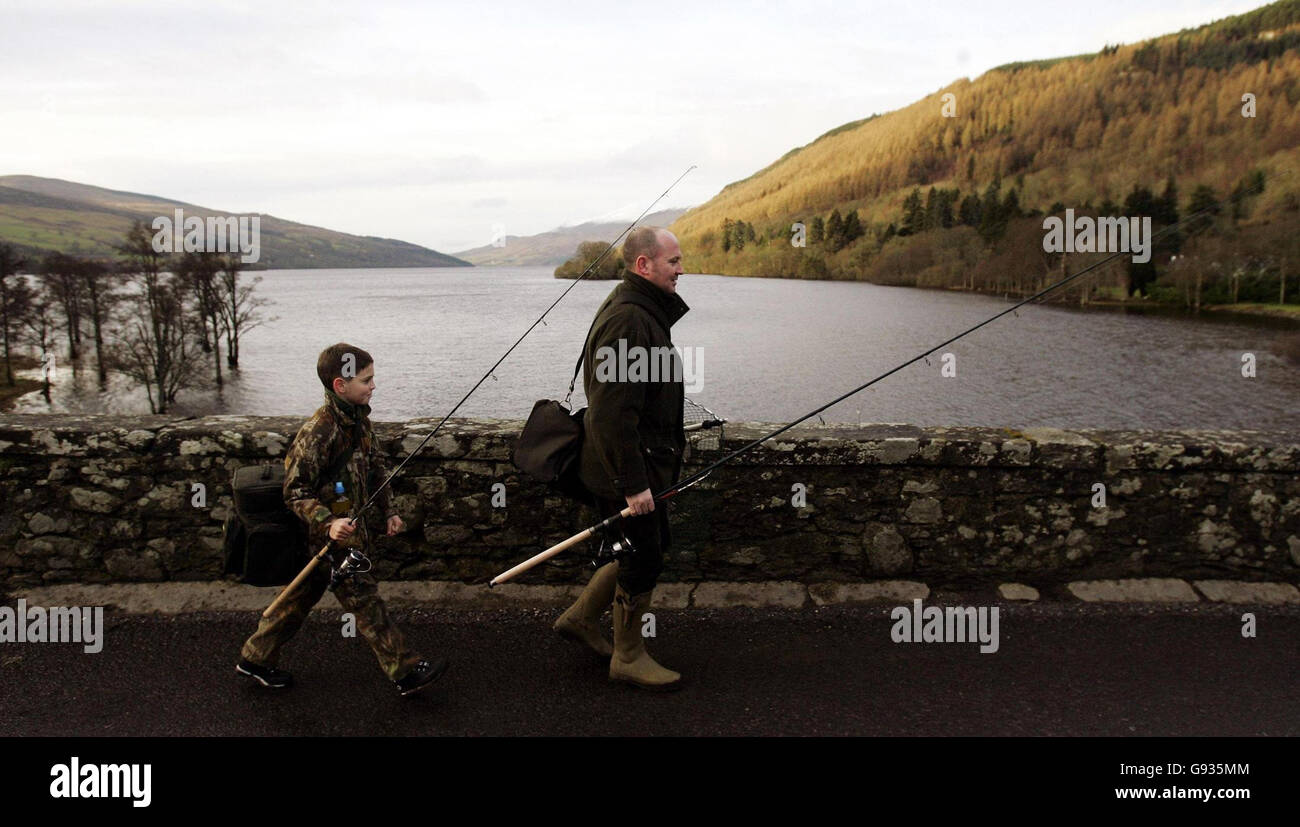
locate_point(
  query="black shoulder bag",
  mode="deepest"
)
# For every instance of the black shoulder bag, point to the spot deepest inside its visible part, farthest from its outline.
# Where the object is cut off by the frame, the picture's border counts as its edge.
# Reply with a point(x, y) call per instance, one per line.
point(551, 442)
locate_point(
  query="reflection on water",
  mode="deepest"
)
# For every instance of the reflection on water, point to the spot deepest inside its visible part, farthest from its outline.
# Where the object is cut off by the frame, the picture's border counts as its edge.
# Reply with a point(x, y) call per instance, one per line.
point(773, 350)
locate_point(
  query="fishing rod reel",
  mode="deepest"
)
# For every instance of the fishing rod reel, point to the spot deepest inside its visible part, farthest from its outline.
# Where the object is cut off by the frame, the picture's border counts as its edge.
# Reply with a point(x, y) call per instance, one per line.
point(614, 546)
point(355, 563)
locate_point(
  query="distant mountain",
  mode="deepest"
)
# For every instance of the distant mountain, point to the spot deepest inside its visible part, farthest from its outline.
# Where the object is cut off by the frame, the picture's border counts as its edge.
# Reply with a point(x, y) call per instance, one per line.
point(558, 245)
point(41, 215)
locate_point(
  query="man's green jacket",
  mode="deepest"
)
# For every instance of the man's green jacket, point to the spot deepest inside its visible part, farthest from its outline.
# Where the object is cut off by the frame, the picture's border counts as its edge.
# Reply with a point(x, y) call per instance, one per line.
point(635, 391)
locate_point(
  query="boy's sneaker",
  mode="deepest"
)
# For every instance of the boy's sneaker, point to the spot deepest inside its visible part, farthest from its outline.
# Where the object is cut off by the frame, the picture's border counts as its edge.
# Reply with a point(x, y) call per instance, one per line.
point(265, 675)
point(420, 676)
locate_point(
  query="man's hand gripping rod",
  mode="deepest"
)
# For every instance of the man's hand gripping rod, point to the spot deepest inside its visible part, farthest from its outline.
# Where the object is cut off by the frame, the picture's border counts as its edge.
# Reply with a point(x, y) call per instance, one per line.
point(583, 535)
point(559, 547)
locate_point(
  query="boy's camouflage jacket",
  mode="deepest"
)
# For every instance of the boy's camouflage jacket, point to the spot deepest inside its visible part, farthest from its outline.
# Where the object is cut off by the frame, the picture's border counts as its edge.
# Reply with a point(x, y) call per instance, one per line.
point(319, 445)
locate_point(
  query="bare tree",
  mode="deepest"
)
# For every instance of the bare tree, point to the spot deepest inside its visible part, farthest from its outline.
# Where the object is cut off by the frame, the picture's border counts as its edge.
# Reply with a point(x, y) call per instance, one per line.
point(40, 324)
point(199, 272)
point(61, 278)
point(157, 347)
point(15, 299)
point(239, 307)
point(99, 283)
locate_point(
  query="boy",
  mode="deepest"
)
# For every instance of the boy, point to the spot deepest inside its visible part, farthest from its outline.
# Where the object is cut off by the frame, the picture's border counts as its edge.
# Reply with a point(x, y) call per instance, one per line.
point(337, 445)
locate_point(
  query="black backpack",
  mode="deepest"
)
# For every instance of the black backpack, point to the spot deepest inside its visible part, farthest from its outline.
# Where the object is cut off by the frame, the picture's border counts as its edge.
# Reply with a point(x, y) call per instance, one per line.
point(265, 543)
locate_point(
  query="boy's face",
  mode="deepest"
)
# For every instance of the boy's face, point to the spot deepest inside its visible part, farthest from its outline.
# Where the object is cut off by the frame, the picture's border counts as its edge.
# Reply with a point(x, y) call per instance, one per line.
point(358, 389)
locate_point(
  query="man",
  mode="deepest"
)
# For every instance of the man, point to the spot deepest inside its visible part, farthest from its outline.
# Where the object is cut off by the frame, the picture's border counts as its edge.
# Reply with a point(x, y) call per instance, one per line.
point(633, 448)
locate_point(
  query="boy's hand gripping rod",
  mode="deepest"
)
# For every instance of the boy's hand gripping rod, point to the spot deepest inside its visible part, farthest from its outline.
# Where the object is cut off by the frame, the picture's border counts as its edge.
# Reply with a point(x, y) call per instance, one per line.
point(329, 546)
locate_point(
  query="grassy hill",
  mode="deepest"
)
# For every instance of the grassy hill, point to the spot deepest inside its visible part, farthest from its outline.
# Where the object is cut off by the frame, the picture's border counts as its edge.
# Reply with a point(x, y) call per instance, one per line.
point(1079, 131)
point(40, 215)
point(557, 246)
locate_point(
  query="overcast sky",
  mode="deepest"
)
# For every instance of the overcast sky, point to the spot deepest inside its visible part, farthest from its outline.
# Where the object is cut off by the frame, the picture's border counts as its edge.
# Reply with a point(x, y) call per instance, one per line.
point(432, 122)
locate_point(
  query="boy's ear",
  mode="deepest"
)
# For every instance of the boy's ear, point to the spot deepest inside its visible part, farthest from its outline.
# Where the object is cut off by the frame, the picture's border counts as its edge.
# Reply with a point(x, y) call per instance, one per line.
point(338, 384)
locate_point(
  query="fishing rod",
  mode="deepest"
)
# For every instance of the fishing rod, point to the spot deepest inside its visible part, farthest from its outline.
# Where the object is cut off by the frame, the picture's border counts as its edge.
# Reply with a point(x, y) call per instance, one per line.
point(355, 560)
point(695, 478)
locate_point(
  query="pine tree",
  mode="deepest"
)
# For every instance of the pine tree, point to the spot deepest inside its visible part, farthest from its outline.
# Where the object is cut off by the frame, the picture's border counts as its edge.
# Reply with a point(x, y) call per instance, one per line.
point(1204, 199)
point(913, 214)
point(1011, 207)
point(946, 199)
point(1248, 187)
point(1140, 202)
point(834, 231)
point(992, 222)
point(852, 229)
point(930, 218)
point(1167, 207)
point(817, 231)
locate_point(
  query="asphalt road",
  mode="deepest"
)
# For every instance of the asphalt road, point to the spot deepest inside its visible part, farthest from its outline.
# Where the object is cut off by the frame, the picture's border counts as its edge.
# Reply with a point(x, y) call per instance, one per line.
point(1061, 669)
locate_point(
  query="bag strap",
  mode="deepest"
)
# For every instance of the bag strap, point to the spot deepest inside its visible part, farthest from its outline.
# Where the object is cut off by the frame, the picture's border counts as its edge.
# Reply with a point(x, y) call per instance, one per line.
point(578, 365)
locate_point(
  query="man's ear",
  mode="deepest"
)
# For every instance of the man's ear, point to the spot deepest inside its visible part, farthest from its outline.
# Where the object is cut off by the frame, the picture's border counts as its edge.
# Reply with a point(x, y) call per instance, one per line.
point(337, 385)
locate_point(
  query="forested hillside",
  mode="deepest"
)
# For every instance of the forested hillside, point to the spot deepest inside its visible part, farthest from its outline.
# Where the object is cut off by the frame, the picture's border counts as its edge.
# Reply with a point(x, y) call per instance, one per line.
point(951, 191)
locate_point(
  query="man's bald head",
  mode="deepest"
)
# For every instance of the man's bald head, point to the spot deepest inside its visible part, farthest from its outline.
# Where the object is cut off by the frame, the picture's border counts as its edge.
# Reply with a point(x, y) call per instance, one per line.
point(643, 241)
point(653, 254)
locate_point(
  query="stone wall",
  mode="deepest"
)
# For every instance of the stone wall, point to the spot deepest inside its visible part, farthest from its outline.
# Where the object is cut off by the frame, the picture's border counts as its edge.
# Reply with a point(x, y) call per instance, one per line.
point(100, 499)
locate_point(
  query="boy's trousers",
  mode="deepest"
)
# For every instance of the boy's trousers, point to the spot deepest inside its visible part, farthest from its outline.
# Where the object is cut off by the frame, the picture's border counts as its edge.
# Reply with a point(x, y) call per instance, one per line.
point(358, 594)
